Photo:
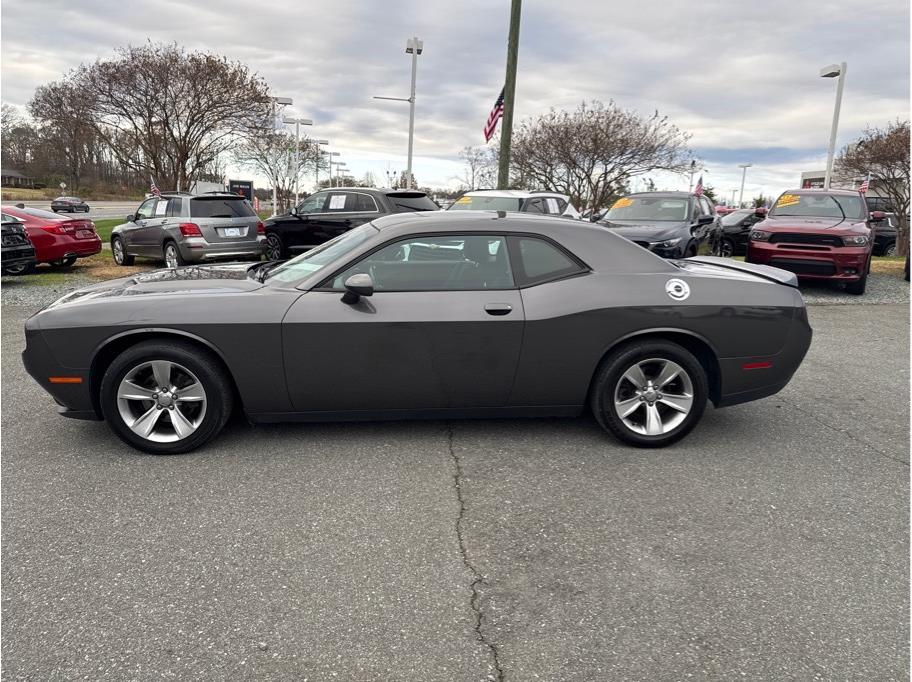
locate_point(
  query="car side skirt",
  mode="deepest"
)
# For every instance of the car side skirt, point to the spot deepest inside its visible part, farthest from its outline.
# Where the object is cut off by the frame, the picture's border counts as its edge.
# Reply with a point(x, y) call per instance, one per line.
point(410, 414)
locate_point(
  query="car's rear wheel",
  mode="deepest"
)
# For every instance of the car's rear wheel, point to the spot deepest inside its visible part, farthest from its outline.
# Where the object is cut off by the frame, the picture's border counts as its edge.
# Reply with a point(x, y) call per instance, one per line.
point(120, 252)
point(173, 258)
point(727, 249)
point(889, 250)
point(275, 249)
point(165, 398)
point(650, 394)
point(61, 263)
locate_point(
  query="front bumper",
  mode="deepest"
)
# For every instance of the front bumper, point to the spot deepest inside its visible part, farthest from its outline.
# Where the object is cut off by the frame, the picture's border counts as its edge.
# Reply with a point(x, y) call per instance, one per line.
point(17, 255)
point(74, 399)
point(197, 249)
point(848, 263)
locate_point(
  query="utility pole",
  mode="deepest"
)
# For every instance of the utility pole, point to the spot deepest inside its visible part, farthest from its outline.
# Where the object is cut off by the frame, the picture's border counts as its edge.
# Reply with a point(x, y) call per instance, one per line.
point(506, 125)
point(414, 47)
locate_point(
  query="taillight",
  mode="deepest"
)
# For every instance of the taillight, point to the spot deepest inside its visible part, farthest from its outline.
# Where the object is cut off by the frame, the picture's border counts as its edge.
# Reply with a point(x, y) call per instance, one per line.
point(190, 230)
point(261, 228)
point(54, 228)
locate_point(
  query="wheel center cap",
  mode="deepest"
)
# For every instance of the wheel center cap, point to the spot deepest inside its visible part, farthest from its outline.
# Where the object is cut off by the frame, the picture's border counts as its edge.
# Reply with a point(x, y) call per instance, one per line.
point(650, 395)
point(165, 400)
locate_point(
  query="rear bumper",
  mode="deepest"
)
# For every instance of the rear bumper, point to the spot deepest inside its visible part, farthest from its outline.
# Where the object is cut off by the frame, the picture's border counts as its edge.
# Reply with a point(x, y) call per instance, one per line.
point(196, 250)
point(66, 247)
point(822, 262)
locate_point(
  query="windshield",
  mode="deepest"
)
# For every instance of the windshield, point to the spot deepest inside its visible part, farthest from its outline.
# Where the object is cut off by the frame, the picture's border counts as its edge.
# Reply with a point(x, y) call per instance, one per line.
point(735, 217)
point(648, 208)
point(482, 202)
point(818, 205)
point(316, 259)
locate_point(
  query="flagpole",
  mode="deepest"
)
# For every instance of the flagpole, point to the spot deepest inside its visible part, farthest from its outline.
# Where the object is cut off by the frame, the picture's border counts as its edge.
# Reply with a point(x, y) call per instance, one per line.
point(506, 126)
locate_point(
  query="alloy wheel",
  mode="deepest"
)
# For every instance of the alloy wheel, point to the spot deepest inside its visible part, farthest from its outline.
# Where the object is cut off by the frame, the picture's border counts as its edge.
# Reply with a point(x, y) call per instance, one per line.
point(171, 256)
point(118, 249)
point(273, 247)
point(890, 251)
point(654, 396)
point(161, 401)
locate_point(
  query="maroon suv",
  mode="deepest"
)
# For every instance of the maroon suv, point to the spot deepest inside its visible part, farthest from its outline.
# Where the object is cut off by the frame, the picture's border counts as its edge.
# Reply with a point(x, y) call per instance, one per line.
point(817, 234)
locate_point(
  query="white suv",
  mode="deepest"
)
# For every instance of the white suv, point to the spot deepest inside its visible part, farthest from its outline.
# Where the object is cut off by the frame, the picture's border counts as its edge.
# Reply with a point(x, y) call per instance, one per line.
point(514, 200)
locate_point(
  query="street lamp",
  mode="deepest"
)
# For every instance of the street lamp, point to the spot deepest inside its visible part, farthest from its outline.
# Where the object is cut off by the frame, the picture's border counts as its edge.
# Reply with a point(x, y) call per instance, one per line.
point(320, 153)
point(298, 122)
point(330, 155)
point(276, 103)
point(413, 47)
point(743, 167)
point(833, 71)
point(340, 167)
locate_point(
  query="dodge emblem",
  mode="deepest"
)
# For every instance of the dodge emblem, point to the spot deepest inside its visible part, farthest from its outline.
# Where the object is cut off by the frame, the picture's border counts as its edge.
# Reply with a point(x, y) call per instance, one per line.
point(677, 289)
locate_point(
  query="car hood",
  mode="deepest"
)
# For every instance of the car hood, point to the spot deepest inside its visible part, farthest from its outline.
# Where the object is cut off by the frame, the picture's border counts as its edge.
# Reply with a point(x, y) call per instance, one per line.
point(809, 223)
point(645, 231)
point(190, 280)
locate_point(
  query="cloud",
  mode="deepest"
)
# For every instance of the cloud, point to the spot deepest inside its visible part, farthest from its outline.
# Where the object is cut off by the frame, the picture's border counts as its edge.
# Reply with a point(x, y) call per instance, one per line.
point(741, 77)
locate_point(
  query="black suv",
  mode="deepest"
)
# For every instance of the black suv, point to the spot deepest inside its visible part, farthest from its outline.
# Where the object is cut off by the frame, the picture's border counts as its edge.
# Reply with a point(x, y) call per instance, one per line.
point(670, 224)
point(885, 235)
point(328, 213)
point(736, 227)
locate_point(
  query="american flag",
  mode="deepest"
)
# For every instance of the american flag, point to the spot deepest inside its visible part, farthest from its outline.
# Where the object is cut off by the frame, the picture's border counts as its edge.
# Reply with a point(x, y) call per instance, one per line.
point(153, 188)
point(495, 115)
point(698, 190)
point(865, 184)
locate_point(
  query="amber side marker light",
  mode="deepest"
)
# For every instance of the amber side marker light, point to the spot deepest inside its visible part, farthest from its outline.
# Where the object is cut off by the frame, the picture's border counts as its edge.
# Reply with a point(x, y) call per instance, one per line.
point(757, 365)
point(65, 380)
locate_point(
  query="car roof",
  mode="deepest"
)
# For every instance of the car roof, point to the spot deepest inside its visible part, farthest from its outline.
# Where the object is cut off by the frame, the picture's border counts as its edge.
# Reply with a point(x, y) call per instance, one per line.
point(816, 190)
point(670, 195)
point(507, 221)
point(512, 193)
point(377, 190)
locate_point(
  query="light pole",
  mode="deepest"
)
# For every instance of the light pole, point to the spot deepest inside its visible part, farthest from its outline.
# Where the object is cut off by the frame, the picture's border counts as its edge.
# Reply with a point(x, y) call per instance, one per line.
point(320, 153)
point(743, 167)
point(330, 155)
point(414, 47)
point(340, 166)
point(734, 191)
point(276, 103)
point(298, 122)
point(833, 71)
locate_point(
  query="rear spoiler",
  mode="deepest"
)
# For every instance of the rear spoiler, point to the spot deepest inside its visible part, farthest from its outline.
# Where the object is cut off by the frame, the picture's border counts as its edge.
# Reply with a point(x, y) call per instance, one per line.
point(778, 275)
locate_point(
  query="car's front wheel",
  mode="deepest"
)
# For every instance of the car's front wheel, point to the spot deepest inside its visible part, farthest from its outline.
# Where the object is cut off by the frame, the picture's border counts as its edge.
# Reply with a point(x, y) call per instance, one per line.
point(889, 250)
point(19, 269)
point(727, 248)
point(120, 252)
point(165, 398)
point(649, 394)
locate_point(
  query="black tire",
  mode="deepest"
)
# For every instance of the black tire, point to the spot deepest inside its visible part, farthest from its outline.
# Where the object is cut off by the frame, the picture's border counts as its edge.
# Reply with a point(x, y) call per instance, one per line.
point(215, 382)
point(608, 378)
point(55, 210)
point(727, 249)
point(857, 288)
point(63, 263)
point(889, 250)
point(691, 251)
point(178, 260)
point(19, 270)
point(124, 258)
point(275, 247)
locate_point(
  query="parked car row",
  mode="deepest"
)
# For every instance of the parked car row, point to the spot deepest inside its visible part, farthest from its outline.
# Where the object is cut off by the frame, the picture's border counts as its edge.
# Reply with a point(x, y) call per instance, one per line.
point(57, 240)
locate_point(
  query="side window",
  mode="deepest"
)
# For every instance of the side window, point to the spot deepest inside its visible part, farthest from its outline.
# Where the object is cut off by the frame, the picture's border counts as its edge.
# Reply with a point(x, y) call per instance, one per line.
point(146, 209)
point(553, 208)
point(175, 207)
point(537, 261)
point(339, 202)
point(161, 208)
point(707, 206)
point(535, 206)
point(444, 263)
point(313, 204)
point(362, 203)
point(561, 206)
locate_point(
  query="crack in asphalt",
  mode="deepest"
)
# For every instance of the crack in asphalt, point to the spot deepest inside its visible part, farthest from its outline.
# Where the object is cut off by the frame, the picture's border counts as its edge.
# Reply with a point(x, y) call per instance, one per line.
point(478, 579)
point(845, 432)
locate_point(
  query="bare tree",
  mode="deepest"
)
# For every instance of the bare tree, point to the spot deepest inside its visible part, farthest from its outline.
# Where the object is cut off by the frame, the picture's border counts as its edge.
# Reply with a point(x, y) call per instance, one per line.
point(273, 154)
point(884, 153)
point(163, 110)
point(594, 151)
point(480, 167)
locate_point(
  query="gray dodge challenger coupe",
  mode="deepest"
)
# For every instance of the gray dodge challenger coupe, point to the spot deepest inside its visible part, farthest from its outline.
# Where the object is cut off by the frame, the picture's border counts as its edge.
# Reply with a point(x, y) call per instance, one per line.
point(442, 315)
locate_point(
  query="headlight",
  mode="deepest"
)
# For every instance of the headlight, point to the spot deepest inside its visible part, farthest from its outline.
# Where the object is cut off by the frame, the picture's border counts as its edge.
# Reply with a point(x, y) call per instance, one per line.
point(667, 244)
point(857, 240)
point(759, 236)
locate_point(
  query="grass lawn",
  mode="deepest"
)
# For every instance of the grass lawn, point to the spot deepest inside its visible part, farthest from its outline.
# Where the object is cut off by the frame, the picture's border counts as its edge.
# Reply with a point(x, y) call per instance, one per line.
point(104, 227)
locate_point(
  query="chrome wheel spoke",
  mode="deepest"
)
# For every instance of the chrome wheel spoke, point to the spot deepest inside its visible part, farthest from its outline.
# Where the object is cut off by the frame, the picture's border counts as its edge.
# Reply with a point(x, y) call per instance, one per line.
point(131, 391)
point(635, 376)
point(625, 408)
point(161, 370)
point(144, 424)
point(654, 426)
point(669, 371)
point(183, 427)
point(681, 403)
point(192, 393)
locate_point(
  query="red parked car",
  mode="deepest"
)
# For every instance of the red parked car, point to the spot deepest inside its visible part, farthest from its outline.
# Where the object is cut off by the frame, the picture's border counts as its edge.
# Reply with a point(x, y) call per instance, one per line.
point(818, 235)
point(57, 240)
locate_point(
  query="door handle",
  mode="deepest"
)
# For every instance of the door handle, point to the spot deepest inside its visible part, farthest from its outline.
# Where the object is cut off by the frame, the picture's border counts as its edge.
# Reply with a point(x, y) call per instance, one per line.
point(498, 308)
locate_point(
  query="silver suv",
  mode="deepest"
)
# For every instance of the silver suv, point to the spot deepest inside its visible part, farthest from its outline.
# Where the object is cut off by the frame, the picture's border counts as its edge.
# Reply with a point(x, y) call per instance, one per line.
point(182, 228)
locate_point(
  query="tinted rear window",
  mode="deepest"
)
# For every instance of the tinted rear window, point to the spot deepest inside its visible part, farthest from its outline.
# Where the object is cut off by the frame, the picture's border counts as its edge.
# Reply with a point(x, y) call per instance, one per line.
point(405, 203)
point(221, 207)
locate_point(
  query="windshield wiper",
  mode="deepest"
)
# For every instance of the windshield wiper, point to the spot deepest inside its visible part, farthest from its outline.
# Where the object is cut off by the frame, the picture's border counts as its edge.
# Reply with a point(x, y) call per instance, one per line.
point(840, 207)
point(258, 271)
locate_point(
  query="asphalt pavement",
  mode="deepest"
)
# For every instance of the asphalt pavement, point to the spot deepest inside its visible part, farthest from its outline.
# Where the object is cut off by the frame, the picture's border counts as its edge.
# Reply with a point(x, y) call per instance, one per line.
point(771, 544)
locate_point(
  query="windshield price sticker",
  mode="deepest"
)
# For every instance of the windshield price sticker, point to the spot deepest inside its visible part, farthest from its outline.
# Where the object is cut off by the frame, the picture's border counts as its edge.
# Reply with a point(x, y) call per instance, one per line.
point(622, 203)
point(788, 200)
point(464, 200)
point(336, 202)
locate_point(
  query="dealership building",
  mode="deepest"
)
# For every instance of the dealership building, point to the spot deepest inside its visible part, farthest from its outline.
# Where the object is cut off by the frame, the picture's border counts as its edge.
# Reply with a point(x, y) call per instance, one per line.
point(814, 180)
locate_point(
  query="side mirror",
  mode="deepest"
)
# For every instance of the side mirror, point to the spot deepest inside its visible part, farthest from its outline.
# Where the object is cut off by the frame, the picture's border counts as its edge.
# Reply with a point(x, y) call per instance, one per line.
point(878, 216)
point(293, 210)
point(130, 218)
point(357, 286)
point(705, 220)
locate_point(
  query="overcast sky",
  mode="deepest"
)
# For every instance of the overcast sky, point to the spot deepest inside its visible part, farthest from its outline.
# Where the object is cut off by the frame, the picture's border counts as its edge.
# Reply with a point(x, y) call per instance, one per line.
point(742, 77)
